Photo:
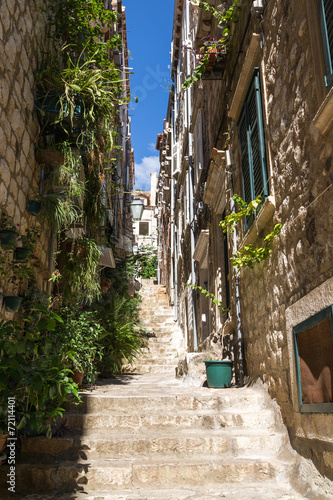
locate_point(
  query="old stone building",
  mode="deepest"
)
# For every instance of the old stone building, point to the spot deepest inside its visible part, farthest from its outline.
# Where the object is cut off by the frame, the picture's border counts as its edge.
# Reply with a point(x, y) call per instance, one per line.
point(259, 122)
point(24, 43)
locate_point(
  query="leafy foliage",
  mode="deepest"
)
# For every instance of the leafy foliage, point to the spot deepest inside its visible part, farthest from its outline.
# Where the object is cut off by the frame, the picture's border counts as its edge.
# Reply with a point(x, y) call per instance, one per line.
point(224, 19)
point(121, 341)
point(33, 372)
point(210, 296)
point(78, 337)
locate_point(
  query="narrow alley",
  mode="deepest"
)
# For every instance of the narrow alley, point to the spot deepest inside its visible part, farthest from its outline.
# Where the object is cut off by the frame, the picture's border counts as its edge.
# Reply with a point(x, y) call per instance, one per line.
point(146, 435)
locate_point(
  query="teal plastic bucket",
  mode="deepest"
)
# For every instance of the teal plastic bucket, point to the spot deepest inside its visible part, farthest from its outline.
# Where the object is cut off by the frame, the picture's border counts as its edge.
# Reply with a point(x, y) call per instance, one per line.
point(219, 373)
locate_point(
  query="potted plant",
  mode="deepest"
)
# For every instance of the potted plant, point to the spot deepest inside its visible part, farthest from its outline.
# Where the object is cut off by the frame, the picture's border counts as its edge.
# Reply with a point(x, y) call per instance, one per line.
point(79, 336)
point(219, 373)
point(8, 233)
point(29, 241)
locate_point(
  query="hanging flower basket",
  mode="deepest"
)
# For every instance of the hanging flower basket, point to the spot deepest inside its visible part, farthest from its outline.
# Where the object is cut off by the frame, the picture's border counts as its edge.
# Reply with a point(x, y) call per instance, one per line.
point(8, 236)
point(12, 303)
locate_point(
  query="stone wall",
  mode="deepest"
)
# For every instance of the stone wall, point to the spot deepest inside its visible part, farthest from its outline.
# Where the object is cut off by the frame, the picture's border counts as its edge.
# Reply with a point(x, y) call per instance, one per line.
point(22, 41)
point(301, 180)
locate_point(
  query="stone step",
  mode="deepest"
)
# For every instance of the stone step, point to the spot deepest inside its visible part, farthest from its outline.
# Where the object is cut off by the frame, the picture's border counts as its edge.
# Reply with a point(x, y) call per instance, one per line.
point(158, 360)
point(137, 422)
point(145, 368)
point(253, 491)
point(95, 445)
point(219, 400)
point(150, 474)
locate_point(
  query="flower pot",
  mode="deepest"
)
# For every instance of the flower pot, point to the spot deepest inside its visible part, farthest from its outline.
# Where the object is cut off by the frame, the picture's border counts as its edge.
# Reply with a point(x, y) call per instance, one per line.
point(12, 303)
point(50, 158)
point(219, 373)
point(77, 377)
point(34, 207)
point(3, 442)
point(7, 237)
point(21, 254)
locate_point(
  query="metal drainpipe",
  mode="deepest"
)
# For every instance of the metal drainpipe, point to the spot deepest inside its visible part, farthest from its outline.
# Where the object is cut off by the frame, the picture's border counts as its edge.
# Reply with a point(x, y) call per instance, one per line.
point(237, 295)
point(189, 115)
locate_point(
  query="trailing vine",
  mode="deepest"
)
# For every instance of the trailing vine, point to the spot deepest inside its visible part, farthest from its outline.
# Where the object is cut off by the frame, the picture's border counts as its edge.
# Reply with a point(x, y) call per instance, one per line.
point(248, 254)
point(224, 18)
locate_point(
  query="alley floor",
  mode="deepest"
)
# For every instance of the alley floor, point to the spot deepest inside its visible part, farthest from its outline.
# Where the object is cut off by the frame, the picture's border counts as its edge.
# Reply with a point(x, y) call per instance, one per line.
point(148, 436)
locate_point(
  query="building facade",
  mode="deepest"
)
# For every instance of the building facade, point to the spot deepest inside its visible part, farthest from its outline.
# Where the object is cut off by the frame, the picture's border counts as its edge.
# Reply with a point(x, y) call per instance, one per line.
point(258, 122)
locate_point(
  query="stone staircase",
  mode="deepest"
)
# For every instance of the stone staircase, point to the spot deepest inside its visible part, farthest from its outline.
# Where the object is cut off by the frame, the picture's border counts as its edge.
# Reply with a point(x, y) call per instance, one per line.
point(146, 436)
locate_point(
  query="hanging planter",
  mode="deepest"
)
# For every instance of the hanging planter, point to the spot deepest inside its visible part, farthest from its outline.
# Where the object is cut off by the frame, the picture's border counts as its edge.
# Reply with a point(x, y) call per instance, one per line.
point(8, 236)
point(219, 373)
point(12, 303)
point(34, 207)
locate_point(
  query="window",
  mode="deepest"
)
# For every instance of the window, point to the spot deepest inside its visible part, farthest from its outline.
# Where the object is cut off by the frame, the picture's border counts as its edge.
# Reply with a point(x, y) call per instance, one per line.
point(325, 8)
point(313, 340)
point(143, 228)
point(252, 143)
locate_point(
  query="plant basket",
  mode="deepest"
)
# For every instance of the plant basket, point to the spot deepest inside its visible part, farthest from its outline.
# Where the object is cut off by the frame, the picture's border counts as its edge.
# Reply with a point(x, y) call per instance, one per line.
point(12, 303)
point(7, 237)
point(219, 373)
point(34, 207)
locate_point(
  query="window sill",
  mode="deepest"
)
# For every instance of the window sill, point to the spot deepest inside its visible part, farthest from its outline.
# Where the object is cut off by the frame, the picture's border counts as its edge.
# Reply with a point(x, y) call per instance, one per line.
point(324, 117)
point(265, 214)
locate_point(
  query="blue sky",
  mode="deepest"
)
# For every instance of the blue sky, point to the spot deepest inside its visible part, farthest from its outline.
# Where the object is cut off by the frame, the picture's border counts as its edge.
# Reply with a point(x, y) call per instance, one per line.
point(149, 26)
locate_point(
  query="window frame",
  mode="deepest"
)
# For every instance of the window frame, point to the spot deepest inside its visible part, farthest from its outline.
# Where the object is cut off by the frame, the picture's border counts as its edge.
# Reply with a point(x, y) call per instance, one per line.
point(300, 327)
point(254, 88)
point(327, 49)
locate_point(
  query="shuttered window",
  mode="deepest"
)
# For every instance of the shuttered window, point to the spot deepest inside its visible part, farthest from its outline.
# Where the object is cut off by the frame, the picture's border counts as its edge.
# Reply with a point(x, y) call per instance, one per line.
point(326, 25)
point(252, 144)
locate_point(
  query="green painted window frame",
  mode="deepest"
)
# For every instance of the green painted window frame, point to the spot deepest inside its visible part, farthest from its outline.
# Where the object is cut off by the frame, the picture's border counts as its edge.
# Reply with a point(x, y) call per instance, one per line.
point(252, 145)
point(308, 323)
point(325, 9)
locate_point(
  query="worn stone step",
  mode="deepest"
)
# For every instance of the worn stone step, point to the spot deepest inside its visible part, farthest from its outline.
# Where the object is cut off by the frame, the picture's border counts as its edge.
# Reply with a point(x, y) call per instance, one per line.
point(246, 401)
point(158, 360)
point(115, 474)
point(96, 445)
point(253, 491)
point(161, 420)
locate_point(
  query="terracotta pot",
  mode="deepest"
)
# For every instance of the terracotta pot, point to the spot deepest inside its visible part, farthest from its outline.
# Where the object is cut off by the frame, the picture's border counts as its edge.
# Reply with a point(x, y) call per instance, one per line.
point(3, 442)
point(51, 158)
point(77, 377)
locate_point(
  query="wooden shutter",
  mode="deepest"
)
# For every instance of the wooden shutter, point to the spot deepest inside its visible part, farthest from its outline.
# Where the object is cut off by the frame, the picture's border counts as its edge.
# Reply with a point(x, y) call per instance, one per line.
point(326, 26)
point(252, 144)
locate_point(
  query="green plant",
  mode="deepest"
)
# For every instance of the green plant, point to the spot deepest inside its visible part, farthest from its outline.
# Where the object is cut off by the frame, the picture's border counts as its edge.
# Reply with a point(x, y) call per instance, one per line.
point(59, 210)
point(6, 222)
point(79, 339)
point(80, 280)
point(33, 373)
point(224, 19)
point(208, 295)
point(248, 254)
point(121, 341)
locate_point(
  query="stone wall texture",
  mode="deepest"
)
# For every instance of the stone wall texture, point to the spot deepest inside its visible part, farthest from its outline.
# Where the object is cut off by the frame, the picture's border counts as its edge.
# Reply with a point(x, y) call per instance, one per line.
point(300, 171)
point(23, 39)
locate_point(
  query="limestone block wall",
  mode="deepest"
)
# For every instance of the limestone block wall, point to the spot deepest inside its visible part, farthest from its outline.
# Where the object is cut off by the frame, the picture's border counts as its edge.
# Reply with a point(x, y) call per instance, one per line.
point(300, 265)
point(23, 39)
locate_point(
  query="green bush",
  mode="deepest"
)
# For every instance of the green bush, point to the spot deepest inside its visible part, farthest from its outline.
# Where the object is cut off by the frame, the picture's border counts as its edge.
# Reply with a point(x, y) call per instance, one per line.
point(121, 341)
point(33, 372)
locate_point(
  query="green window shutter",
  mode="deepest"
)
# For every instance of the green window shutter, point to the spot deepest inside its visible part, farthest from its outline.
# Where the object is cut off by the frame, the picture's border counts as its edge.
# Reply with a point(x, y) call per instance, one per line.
point(252, 143)
point(326, 25)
